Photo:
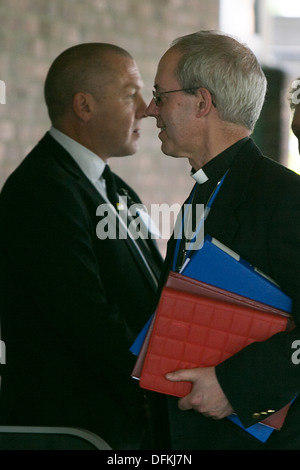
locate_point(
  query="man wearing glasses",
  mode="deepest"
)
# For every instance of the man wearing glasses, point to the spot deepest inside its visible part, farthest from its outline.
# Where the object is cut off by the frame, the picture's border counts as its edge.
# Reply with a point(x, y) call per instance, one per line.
point(209, 91)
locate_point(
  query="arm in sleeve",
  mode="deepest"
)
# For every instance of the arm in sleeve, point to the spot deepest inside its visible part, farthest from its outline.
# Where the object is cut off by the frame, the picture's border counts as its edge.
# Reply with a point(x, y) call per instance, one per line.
point(263, 376)
point(49, 240)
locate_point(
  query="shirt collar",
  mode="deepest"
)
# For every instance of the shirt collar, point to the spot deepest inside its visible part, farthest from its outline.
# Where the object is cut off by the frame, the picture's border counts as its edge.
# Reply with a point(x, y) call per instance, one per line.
point(91, 165)
point(199, 176)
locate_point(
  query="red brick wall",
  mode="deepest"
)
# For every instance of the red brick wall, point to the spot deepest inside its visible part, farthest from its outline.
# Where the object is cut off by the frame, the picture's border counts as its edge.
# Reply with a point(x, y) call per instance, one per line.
point(34, 32)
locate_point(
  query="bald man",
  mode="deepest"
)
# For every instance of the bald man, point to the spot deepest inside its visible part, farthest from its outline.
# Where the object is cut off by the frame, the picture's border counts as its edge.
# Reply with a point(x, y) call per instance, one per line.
point(73, 297)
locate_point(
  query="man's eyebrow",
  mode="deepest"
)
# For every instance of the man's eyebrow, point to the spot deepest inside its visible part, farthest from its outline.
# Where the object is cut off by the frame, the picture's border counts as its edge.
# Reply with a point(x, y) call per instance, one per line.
point(136, 86)
point(159, 88)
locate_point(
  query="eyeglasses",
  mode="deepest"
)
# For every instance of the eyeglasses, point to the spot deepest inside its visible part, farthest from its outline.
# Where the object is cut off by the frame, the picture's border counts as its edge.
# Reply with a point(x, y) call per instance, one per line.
point(158, 94)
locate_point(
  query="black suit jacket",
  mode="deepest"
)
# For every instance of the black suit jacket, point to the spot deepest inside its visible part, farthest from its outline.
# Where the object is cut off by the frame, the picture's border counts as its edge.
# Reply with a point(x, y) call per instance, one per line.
point(71, 304)
point(256, 214)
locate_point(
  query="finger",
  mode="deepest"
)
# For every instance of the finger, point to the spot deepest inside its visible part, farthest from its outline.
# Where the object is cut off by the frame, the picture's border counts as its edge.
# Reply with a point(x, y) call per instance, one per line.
point(184, 404)
point(186, 375)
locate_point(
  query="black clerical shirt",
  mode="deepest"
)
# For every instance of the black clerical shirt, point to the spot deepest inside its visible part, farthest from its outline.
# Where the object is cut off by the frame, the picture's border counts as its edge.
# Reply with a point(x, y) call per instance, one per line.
point(212, 172)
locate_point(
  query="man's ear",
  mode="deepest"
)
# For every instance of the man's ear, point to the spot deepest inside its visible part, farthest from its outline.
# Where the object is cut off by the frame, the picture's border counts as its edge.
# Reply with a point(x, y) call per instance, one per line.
point(204, 102)
point(82, 105)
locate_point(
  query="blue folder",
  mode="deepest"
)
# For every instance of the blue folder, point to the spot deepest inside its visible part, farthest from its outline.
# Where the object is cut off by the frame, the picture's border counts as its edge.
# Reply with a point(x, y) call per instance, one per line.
point(216, 265)
point(258, 430)
point(138, 342)
point(219, 266)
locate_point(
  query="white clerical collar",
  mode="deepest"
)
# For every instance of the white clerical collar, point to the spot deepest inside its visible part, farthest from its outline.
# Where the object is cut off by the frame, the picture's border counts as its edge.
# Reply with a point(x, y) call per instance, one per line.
point(199, 176)
point(91, 165)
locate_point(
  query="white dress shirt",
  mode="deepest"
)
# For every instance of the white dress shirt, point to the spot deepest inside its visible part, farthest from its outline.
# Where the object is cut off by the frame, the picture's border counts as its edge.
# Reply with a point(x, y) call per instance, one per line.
point(91, 165)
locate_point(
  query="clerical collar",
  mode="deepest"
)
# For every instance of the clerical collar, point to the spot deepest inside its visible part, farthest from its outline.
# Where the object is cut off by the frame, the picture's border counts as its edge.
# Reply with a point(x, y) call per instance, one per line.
point(215, 168)
point(199, 176)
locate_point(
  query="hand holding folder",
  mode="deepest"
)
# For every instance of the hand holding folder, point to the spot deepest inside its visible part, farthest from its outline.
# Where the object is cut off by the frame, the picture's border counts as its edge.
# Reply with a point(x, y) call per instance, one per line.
point(199, 325)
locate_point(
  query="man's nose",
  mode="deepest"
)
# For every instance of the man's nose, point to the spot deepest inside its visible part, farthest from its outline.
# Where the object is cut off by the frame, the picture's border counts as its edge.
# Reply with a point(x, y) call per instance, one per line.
point(152, 109)
point(141, 108)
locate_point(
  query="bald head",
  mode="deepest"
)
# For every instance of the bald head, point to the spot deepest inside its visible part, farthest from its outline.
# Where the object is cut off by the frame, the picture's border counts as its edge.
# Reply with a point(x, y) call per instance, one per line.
point(81, 68)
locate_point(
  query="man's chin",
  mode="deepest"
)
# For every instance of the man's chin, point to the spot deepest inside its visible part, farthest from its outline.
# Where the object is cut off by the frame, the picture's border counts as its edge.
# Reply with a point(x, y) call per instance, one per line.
point(171, 153)
point(127, 152)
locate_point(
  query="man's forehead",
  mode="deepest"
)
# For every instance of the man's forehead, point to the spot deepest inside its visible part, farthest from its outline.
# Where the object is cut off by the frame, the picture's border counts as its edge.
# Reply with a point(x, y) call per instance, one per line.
point(133, 71)
point(124, 71)
point(166, 68)
point(132, 77)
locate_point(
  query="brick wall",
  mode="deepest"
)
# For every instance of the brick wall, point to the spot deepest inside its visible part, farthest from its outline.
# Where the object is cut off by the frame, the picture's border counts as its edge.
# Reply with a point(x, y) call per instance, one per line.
point(34, 32)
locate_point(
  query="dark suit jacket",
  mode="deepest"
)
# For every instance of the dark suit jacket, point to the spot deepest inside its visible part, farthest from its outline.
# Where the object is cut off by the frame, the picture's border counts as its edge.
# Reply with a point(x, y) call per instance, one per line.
point(71, 304)
point(256, 214)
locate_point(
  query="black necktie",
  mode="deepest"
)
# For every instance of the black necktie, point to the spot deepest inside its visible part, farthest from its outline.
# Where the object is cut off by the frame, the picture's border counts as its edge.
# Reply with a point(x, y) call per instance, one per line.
point(111, 188)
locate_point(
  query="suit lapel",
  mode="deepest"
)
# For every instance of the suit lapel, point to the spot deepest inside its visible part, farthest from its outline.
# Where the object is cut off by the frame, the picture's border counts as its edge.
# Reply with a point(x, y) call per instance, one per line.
point(63, 158)
point(141, 248)
point(114, 218)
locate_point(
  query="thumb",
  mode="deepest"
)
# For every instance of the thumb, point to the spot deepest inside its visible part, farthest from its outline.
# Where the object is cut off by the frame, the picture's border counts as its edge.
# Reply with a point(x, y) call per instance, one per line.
point(187, 375)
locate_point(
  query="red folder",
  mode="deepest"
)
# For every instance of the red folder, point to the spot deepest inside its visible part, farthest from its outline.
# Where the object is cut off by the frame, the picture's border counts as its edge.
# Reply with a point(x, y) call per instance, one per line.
point(199, 325)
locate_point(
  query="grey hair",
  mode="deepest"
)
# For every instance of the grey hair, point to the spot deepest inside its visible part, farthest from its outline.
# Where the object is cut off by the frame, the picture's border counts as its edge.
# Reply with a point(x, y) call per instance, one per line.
point(228, 69)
